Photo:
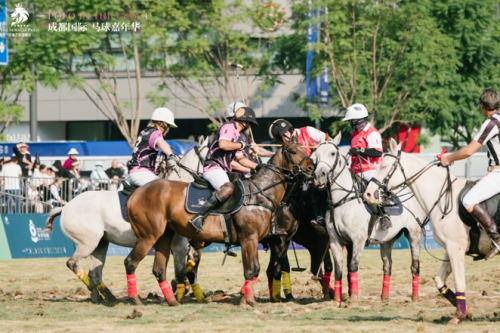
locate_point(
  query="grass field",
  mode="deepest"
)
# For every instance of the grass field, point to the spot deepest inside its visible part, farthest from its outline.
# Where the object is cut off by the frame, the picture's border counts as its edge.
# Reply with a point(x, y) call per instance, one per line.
point(42, 295)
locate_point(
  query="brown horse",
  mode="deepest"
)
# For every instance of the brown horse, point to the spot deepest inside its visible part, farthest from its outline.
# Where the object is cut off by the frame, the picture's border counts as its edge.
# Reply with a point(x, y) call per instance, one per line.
point(158, 204)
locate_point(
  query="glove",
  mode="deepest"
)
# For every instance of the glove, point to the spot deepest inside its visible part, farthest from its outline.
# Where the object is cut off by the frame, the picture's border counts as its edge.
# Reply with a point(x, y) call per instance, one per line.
point(243, 146)
point(171, 162)
point(356, 151)
point(253, 171)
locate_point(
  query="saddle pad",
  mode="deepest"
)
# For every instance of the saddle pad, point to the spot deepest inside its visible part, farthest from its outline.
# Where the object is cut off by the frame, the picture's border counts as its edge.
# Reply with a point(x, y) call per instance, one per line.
point(392, 206)
point(123, 204)
point(196, 198)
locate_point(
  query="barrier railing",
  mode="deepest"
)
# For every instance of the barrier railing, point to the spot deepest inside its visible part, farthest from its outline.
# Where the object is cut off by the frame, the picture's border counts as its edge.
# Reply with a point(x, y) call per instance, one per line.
point(21, 195)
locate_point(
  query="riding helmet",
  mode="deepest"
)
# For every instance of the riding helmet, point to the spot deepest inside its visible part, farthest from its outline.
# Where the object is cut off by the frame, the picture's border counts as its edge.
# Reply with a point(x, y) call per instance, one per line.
point(278, 128)
point(245, 114)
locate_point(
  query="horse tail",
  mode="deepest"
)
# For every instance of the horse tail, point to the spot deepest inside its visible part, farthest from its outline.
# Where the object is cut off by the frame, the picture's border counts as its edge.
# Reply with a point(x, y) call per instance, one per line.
point(52, 215)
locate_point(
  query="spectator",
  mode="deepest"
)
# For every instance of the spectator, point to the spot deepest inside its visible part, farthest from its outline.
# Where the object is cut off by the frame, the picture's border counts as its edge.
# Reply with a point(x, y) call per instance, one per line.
point(115, 185)
point(124, 169)
point(11, 173)
point(55, 193)
point(35, 206)
point(114, 170)
point(99, 177)
point(72, 157)
point(59, 170)
point(76, 179)
point(23, 158)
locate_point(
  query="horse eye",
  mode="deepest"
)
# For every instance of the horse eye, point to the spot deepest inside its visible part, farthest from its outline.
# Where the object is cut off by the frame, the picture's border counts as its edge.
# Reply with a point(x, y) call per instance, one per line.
point(292, 152)
point(333, 154)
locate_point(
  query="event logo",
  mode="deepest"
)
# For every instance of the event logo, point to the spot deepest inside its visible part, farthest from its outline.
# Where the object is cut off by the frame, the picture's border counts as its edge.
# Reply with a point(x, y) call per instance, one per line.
point(19, 15)
point(33, 232)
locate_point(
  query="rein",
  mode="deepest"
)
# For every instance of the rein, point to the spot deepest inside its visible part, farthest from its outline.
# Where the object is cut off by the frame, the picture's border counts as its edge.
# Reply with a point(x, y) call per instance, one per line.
point(201, 160)
point(446, 191)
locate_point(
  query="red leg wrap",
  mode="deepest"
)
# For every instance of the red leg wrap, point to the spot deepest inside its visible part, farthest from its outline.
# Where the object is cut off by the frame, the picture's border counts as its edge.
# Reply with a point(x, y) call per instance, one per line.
point(385, 286)
point(415, 284)
point(270, 286)
point(132, 285)
point(167, 291)
point(246, 288)
point(353, 283)
point(338, 291)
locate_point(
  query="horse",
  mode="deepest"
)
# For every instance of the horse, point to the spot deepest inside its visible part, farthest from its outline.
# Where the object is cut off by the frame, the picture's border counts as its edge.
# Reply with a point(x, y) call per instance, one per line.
point(437, 192)
point(348, 224)
point(156, 211)
point(293, 218)
point(93, 219)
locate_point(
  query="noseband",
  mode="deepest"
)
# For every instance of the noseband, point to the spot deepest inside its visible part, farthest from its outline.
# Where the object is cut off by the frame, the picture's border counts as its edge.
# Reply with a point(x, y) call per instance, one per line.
point(296, 170)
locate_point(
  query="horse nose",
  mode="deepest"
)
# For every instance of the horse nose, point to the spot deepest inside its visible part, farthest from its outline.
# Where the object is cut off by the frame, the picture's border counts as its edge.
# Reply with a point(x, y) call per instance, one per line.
point(376, 195)
point(310, 168)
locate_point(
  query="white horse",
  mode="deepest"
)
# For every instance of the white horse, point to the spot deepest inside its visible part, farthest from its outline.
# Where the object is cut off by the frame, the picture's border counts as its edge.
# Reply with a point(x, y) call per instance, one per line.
point(93, 219)
point(431, 186)
point(350, 223)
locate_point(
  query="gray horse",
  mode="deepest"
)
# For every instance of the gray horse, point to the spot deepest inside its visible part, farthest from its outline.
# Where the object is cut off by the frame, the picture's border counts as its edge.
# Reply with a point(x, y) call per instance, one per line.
point(93, 219)
point(349, 226)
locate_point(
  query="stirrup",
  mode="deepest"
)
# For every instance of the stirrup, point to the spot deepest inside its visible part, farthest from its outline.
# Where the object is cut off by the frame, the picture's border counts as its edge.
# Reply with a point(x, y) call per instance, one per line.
point(319, 227)
point(197, 225)
point(494, 251)
point(385, 222)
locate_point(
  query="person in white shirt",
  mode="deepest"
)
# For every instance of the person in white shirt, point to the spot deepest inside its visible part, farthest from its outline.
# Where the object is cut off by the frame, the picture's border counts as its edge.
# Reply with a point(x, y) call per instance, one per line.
point(55, 193)
point(11, 175)
point(99, 177)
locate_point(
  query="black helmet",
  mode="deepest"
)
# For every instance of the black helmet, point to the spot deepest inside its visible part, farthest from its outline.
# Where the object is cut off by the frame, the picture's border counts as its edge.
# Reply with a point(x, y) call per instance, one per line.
point(278, 128)
point(245, 114)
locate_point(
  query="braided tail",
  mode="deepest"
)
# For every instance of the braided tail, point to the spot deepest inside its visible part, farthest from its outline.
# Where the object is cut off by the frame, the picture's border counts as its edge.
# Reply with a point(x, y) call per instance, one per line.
point(52, 215)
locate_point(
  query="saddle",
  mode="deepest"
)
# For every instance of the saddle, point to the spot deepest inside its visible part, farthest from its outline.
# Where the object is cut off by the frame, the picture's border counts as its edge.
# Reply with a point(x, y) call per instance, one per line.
point(492, 205)
point(199, 191)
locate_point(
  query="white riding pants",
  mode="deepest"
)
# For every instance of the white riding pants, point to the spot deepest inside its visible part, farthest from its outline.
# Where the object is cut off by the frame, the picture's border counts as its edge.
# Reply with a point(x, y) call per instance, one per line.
point(367, 175)
point(141, 178)
point(216, 177)
point(487, 187)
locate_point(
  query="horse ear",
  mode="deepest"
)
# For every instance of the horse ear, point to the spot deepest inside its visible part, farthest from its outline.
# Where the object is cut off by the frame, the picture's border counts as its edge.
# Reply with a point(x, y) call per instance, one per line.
point(336, 140)
point(394, 146)
point(294, 138)
point(201, 139)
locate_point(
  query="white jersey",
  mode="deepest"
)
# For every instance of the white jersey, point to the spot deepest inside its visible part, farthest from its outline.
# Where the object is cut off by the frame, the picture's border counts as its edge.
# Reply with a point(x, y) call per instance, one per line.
point(489, 134)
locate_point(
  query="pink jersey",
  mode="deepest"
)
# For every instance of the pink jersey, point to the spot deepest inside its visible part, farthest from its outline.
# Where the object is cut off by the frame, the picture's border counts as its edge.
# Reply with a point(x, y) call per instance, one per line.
point(368, 137)
point(218, 158)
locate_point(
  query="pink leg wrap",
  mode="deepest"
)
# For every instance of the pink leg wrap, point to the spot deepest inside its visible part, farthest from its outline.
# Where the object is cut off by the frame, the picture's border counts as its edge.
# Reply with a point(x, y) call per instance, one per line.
point(415, 286)
point(167, 291)
point(132, 285)
point(385, 286)
point(353, 283)
point(338, 291)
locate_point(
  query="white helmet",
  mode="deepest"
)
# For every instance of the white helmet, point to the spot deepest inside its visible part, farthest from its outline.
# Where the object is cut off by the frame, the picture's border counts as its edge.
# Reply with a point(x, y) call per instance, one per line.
point(73, 151)
point(165, 115)
point(231, 108)
point(356, 111)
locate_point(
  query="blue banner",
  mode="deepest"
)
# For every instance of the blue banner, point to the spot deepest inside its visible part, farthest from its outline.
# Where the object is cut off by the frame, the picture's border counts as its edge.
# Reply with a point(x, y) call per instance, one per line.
point(323, 86)
point(26, 238)
point(91, 148)
point(312, 37)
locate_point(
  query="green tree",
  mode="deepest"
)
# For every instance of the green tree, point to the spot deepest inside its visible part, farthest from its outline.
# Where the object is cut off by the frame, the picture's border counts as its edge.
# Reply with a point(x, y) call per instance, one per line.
point(388, 55)
point(199, 44)
point(92, 51)
point(474, 27)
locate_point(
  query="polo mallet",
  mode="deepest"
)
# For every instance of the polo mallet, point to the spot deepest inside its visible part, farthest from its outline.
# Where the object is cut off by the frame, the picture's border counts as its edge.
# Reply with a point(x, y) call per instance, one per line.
point(316, 277)
point(298, 268)
point(237, 66)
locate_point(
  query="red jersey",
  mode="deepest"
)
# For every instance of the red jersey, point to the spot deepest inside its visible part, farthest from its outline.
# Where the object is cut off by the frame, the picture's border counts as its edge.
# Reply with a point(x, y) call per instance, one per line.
point(368, 137)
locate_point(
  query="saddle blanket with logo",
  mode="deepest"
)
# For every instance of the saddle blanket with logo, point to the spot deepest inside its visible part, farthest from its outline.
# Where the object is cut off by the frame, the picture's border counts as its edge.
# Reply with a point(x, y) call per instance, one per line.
point(196, 198)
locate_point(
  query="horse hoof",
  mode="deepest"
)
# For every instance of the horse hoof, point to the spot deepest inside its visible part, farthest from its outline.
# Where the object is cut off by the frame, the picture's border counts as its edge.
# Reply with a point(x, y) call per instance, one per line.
point(136, 301)
point(336, 304)
point(454, 322)
point(173, 303)
point(331, 293)
point(95, 296)
point(415, 298)
point(289, 297)
point(384, 297)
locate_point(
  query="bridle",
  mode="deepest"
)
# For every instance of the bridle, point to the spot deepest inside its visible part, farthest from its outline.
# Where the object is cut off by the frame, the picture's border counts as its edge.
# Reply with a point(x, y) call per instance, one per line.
point(198, 150)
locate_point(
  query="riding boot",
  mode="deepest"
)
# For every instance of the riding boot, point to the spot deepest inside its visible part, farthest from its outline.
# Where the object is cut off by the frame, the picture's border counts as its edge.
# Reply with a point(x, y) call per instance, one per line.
point(220, 196)
point(484, 218)
point(198, 219)
point(317, 220)
point(385, 219)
